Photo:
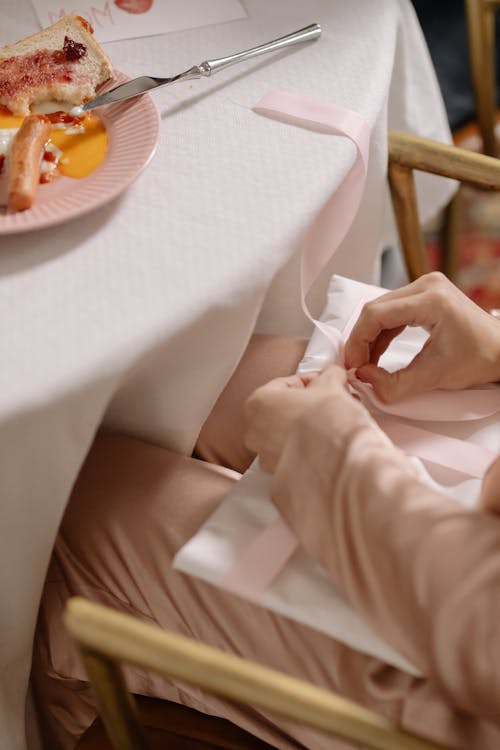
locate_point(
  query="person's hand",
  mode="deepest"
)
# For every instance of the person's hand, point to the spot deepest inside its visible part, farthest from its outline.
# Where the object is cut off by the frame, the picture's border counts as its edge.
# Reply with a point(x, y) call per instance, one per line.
point(463, 347)
point(269, 413)
point(273, 408)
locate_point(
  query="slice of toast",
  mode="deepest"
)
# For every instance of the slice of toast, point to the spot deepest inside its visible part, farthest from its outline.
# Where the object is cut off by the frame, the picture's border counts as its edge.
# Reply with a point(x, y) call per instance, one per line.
point(62, 63)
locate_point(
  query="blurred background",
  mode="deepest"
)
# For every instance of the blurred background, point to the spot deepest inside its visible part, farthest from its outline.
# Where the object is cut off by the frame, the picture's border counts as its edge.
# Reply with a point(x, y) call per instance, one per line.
point(463, 36)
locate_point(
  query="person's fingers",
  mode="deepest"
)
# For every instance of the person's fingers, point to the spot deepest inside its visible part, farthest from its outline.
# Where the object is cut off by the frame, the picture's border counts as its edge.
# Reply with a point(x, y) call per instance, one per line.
point(424, 283)
point(279, 384)
point(297, 380)
point(309, 376)
point(422, 374)
point(413, 310)
point(332, 376)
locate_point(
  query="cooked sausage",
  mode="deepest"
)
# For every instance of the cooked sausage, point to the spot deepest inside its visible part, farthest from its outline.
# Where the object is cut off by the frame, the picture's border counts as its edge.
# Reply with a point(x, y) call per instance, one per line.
point(24, 161)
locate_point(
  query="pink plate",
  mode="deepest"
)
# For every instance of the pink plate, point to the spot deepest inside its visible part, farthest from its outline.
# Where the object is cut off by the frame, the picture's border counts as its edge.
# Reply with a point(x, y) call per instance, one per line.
point(133, 128)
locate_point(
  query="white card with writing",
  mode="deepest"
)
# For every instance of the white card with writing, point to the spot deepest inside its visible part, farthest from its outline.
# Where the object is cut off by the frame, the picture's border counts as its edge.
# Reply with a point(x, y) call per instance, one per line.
point(126, 19)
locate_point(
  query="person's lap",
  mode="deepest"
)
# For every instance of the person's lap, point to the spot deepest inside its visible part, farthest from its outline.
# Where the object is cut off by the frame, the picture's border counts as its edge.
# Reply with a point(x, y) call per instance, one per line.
point(133, 507)
point(200, 485)
point(116, 546)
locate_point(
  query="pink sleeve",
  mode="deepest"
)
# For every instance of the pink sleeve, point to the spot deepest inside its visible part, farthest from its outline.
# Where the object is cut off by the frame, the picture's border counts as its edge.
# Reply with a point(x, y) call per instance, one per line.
point(423, 572)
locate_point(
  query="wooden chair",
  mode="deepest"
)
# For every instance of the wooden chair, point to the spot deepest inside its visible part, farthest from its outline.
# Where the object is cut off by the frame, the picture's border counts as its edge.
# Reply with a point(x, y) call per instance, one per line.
point(408, 153)
point(107, 639)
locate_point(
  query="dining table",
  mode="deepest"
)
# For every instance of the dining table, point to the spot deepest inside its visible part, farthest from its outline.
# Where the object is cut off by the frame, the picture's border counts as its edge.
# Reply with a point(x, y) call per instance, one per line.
point(130, 309)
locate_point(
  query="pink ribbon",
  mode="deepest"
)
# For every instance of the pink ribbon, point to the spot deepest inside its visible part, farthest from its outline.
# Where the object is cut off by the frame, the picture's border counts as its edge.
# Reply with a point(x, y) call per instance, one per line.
point(335, 218)
point(467, 458)
point(437, 406)
point(268, 553)
point(261, 561)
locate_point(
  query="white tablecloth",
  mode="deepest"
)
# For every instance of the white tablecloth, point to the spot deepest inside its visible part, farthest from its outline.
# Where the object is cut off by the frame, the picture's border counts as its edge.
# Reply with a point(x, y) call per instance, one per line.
point(137, 314)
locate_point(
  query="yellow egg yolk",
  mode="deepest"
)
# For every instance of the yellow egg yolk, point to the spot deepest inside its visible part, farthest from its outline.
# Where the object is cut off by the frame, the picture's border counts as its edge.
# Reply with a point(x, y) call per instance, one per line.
point(81, 152)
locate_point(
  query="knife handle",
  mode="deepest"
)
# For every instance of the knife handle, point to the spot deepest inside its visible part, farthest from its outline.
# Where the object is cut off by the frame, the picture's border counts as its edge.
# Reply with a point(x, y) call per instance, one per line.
point(307, 34)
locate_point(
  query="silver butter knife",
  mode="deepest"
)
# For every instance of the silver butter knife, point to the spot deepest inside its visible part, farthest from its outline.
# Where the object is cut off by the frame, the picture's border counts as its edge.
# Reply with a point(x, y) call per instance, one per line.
point(147, 83)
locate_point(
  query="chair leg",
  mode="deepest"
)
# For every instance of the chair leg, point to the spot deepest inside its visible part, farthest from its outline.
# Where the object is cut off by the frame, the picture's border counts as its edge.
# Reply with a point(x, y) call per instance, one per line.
point(404, 201)
point(481, 33)
point(116, 704)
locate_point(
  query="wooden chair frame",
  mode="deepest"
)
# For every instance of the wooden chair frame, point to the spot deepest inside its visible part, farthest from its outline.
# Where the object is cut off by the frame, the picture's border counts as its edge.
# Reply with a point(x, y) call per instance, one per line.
point(480, 16)
point(408, 153)
point(107, 639)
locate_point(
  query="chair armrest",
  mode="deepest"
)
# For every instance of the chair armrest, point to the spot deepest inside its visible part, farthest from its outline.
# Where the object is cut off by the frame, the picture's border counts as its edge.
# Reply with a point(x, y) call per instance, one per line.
point(425, 155)
point(410, 152)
